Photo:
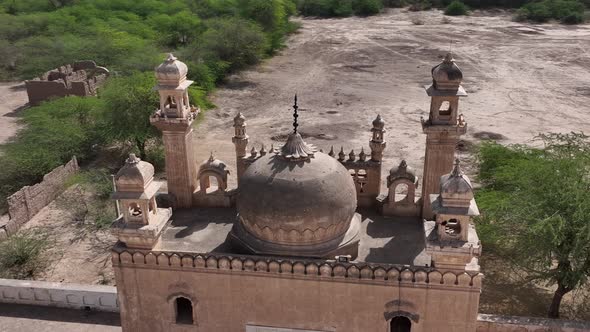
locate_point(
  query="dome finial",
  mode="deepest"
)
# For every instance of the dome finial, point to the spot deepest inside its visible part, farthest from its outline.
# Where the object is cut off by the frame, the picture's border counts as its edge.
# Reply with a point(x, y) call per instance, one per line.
point(295, 115)
point(132, 159)
point(457, 169)
point(170, 58)
point(449, 58)
point(211, 157)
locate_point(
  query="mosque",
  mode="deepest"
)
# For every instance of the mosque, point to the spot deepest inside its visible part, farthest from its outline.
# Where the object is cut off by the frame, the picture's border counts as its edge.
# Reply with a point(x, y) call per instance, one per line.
point(306, 242)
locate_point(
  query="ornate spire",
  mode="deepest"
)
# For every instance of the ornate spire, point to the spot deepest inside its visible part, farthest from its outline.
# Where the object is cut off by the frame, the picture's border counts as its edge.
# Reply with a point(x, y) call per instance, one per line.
point(295, 115)
point(362, 155)
point(457, 171)
point(448, 58)
point(341, 154)
point(171, 58)
point(331, 153)
point(133, 159)
point(295, 149)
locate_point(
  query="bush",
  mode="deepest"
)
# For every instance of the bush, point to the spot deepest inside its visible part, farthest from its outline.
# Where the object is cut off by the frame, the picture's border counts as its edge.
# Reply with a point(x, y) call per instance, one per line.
point(367, 7)
point(573, 18)
point(20, 255)
point(567, 11)
point(420, 5)
point(235, 41)
point(456, 8)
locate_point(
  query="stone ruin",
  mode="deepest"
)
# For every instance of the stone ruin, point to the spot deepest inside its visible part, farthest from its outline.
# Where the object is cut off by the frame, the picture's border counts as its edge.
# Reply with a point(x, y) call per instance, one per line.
point(82, 78)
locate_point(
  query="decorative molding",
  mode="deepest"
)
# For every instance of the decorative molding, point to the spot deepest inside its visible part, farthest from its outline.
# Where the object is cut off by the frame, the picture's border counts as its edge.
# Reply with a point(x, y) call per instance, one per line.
point(299, 268)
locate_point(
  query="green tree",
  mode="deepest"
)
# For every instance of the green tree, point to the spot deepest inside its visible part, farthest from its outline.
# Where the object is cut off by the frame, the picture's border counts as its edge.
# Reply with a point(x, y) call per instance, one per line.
point(128, 104)
point(536, 205)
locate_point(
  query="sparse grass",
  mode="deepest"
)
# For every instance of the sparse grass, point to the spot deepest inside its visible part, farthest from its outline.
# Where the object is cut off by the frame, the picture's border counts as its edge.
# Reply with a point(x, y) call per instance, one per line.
point(91, 204)
point(417, 20)
point(21, 255)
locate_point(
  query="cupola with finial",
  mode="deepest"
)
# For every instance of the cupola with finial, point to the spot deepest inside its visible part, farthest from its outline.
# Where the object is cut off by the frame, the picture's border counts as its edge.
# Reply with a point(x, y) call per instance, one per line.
point(141, 220)
point(455, 205)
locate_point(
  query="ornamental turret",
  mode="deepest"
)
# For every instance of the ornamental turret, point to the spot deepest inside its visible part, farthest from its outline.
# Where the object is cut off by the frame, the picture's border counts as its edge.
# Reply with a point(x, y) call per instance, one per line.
point(443, 127)
point(174, 119)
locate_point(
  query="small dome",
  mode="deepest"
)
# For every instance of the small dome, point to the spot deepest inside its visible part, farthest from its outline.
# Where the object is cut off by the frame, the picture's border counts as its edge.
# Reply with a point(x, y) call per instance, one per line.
point(403, 171)
point(455, 188)
point(378, 123)
point(447, 75)
point(171, 71)
point(136, 175)
point(239, 120)
point(213, 164)
point(296, 206)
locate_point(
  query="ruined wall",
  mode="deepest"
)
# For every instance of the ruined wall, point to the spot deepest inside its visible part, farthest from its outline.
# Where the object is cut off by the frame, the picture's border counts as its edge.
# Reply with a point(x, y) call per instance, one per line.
point(29, 200)
point(493, 323)
point(79, 79)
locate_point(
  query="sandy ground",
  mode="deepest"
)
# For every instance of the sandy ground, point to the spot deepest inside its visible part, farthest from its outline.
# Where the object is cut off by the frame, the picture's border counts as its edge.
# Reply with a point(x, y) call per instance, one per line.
point(522, 79)
point(13, 98)
point(77, 251)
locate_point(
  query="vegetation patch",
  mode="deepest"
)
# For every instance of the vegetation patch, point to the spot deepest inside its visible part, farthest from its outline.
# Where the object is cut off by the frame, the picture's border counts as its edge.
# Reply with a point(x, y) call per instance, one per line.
point(456, 8)
point(21, 255)
point(536, 207)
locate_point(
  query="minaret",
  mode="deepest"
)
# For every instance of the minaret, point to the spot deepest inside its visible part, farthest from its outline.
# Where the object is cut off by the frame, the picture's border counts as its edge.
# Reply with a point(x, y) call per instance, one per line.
point(443, 127)
point(371, 185)
point(240, 141)
point(452, 240)
point(174, 119)
point(377, 143)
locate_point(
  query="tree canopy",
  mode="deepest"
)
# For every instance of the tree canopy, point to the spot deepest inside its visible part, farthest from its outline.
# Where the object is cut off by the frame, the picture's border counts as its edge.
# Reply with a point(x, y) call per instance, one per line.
point(536, 204)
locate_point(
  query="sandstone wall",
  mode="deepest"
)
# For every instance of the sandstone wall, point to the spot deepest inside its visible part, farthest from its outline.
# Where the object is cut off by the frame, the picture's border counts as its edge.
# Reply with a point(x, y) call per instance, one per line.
point(28, 201)
point(229, 293)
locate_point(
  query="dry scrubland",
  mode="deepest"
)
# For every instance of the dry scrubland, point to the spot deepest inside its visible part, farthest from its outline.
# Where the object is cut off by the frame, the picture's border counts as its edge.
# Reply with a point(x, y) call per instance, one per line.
point(522, 79)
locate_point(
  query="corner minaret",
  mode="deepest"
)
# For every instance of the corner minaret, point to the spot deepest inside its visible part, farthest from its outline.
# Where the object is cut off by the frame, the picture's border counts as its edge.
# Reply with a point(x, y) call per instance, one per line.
point(377, 143)
point(240, 141)
point(451, 240)
point(443, 127)
point(174, 119)
point(141, 221)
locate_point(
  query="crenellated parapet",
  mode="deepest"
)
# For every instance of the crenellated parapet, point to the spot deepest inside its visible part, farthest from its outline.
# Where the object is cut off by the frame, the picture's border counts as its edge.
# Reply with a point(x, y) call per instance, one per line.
point(307, 269)
point(365, 169)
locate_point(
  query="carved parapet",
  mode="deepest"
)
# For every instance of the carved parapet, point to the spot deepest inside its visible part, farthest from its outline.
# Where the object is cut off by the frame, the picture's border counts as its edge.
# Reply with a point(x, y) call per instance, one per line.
point(398, 275)
point(164, 123)
point(459, 129)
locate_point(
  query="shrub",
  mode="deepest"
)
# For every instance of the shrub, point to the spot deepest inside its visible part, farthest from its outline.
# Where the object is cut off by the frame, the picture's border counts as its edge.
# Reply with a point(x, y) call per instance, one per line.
point(456, 8)
point(420, 5)
point(367, 7)
point(573, 18)
point(567, 11)
point(20, 255)
point(233, 40)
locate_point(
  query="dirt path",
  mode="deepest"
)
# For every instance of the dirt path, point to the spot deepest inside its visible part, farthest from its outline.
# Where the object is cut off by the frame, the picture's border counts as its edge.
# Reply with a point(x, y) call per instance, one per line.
point(522, 79)
point(13, 98)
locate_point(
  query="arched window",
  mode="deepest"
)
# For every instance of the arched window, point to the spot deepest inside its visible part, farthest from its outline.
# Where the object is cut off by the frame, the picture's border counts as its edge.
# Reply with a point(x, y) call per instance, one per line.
point(184, 310)
point(401, 192)
point(213, 184)
point(445, 108)
point(400, 324)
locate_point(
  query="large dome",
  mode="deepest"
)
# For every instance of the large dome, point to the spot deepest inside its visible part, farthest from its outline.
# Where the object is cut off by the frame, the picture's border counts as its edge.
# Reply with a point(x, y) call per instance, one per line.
point(296, 202)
